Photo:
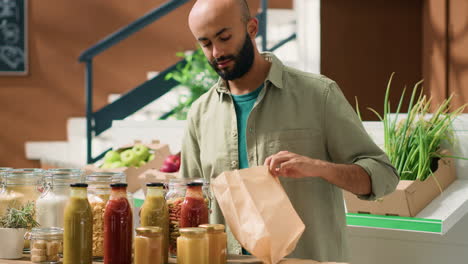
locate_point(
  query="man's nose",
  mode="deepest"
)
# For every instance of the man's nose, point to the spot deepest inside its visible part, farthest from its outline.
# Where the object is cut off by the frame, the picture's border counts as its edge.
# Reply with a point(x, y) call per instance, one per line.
point(217, 52)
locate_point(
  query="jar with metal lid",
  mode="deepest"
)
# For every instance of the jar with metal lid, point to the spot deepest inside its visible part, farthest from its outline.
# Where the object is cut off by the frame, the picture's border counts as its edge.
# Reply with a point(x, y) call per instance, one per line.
point(46, 244)
point(56, 192)
point(149, 245)
point(99, 191)
point(19, 186)
point(217, 243)
point(192, 246)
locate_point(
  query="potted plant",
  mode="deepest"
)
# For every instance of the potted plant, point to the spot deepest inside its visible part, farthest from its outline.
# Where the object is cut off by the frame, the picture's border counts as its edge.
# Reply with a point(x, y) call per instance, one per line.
point(197, 75)
point(13, 226)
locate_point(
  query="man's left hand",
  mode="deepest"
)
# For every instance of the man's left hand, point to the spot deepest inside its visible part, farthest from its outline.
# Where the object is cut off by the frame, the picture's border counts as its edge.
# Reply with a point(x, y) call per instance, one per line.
point(292, 165)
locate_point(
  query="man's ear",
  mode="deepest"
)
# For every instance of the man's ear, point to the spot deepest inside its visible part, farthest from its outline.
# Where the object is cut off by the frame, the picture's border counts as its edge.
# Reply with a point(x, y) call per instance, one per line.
point(252, 27)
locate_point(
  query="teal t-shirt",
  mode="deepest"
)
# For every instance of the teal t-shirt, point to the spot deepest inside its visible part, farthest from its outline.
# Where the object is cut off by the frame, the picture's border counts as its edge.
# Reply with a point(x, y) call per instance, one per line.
point(243, 105)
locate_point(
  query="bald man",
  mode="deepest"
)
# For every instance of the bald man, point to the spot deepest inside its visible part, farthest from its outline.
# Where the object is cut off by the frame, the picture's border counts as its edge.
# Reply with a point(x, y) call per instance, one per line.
point(299, 124)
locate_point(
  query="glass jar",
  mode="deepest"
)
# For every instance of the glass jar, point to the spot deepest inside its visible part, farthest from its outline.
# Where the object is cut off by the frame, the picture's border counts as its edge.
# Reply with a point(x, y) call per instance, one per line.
point(78, 227)
point(118, 227)
point(174, 197)
point(148, 245)
point(19, 187)
point(192, 246)
point(56, 192)
point(3, 171)
point(98, 194)
point(217, 243)
point(46, 244)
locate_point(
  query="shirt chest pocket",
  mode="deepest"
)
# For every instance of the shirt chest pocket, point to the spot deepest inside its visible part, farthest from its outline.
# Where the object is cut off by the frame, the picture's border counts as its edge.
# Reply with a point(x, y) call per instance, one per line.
point(305, 142)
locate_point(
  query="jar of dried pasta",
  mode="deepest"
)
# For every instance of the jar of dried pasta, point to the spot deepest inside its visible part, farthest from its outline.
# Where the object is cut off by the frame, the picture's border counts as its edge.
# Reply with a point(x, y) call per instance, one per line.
point(98, 194)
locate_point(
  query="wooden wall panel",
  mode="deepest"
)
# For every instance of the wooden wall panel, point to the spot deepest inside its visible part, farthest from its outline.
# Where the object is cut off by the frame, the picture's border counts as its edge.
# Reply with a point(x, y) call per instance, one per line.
point(458, 60)
point(363, 42)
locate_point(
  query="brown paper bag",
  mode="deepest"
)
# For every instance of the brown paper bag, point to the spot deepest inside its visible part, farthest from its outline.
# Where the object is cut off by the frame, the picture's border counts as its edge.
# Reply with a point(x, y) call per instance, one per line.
point(258, 212)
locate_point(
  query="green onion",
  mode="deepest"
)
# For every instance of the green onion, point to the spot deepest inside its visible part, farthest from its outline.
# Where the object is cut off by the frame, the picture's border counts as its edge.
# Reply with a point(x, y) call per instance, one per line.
point(411, 144)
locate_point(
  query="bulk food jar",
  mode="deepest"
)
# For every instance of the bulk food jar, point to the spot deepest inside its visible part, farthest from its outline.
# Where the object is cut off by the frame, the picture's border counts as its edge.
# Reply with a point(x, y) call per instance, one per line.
point(19, 186)
point(46, 244)
point(175, 197)
point(55, 194)
point(99, 191)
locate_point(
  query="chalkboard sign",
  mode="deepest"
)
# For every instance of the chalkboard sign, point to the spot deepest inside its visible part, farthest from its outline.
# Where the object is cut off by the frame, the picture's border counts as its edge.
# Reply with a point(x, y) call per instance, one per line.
point(13, 37)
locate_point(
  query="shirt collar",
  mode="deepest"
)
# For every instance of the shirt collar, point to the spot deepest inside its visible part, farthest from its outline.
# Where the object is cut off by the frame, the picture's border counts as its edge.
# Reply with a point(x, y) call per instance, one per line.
point(275, 75)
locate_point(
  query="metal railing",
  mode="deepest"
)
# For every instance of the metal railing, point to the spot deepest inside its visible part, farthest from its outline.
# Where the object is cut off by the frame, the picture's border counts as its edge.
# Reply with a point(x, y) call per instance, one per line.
point(101, 120)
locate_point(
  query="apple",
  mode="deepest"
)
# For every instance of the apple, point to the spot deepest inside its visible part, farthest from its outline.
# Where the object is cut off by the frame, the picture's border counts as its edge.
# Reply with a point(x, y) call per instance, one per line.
point(111, 156)
point(169, 167)
point(116, 164)
point(142, 163)
point(129, 158)
point(141, 151)
point(171, 164)
point(151, 157)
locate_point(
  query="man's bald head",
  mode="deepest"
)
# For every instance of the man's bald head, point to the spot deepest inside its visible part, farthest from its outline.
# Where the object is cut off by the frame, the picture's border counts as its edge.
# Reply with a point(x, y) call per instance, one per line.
point(204, 8)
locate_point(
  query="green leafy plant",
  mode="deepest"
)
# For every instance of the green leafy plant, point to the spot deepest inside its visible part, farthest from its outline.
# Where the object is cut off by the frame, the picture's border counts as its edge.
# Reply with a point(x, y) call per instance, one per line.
point(197, 75)
point(413, 144)
point(19, 218)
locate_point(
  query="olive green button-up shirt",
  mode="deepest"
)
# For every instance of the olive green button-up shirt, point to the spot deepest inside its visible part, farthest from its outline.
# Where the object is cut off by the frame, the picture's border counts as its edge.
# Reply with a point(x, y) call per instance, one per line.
point(302, 113)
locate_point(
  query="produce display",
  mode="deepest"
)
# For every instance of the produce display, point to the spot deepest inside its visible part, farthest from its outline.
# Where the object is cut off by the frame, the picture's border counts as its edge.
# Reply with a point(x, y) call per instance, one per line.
point(136, 156)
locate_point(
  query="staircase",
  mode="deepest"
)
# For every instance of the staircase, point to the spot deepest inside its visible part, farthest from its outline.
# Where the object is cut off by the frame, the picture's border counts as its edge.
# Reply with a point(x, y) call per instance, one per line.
point(142, 124)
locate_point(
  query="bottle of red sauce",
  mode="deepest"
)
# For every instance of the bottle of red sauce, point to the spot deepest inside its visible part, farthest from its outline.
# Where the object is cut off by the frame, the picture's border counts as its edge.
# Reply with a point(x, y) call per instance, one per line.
point(118, 227)
point(194, 211)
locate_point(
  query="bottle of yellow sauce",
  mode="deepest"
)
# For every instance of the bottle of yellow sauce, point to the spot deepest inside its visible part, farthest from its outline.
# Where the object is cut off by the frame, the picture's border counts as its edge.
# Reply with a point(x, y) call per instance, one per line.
point(148, 245)
point(78, 227)
point(192, 246)
point(217, 243)
point(154, 212)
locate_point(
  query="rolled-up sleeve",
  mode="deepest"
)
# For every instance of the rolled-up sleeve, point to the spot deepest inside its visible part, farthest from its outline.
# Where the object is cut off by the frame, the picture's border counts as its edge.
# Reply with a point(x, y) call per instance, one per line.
point(190, 156)
point(348, 143)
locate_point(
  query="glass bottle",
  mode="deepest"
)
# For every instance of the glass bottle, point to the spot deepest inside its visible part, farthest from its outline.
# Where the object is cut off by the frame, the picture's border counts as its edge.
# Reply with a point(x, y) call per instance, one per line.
point(118, 227)
point(194, 210)
point(78, 227)
point(45, 244)
point(50, 207)
point(98, 194)
point(154, 212)
point(192, 246)
point(149, 245)
point(217, 243)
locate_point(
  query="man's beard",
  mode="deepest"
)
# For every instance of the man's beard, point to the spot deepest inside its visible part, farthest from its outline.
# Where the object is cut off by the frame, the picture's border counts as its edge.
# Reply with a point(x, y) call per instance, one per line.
point(242, 62)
